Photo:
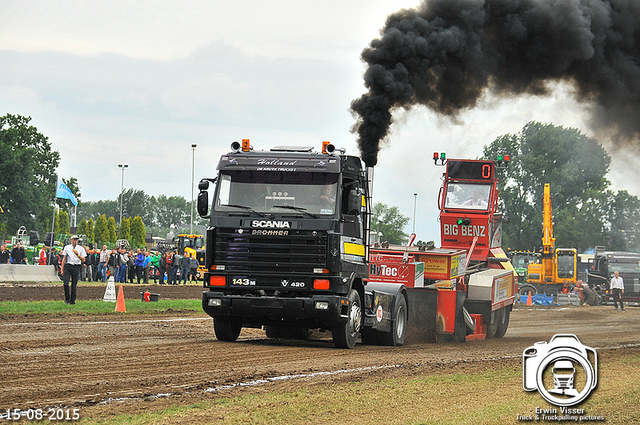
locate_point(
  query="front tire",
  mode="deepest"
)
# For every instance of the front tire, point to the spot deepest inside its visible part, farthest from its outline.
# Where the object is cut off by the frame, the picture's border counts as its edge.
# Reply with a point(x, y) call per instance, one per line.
point(227, 328)
point(398, 327)
point(345, 336)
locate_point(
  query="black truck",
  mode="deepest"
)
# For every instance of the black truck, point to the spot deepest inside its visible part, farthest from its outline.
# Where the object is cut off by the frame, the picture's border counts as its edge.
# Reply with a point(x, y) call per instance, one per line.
point(605, 263)
point(287, 244)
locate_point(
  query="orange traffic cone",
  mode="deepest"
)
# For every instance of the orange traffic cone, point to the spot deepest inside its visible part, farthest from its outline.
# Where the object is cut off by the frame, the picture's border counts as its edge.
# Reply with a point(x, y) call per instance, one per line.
point(529, 300)
point(120, 301)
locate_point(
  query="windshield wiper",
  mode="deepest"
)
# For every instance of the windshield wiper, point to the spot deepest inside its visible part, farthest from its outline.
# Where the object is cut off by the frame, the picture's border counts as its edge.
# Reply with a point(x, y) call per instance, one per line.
point(244, 207)
point(291, 207)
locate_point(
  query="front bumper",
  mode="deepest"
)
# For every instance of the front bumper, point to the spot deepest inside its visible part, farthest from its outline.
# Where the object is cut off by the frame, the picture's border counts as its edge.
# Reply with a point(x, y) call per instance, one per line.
point(264, 310)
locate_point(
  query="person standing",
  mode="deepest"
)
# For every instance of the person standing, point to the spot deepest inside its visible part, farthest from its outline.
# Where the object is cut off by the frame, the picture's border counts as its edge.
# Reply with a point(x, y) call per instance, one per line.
point(18, 254)
point(146, 266)
point(89, 265)
point(162, 267)
point(193, 269)
point(5, 255)
point(169, 260)
point(155, 263)
point(73, 255)
point(175, 266)
point(185, 265)
point(123, 259)
point(139, 264)
point(102, 264)
point(42, 256)
point(617, 287)
point(113, 263)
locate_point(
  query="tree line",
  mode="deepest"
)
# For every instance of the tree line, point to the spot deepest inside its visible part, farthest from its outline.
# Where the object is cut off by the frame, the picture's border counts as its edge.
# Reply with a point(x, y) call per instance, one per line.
point(586, 211)
point(27, 195)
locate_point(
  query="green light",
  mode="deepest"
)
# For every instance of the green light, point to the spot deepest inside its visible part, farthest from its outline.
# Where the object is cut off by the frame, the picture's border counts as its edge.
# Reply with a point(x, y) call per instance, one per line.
point(499, 157)
point(443, 155)
point(460, 221)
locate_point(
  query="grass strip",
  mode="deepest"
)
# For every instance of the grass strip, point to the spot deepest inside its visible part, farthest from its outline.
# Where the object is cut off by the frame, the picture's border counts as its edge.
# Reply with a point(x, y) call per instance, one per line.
point(95, 306)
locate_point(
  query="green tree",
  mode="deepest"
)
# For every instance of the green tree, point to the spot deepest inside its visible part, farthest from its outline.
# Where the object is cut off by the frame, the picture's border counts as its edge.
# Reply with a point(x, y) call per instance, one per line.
point(137, 232)
point(27, 175)
point(82, 228)
point(124, 231)
point(390, 222)
point(111, 230)
point(171, 210)
point(90, 231)
point(63, 226)
point(575, 166)
point(101, 231)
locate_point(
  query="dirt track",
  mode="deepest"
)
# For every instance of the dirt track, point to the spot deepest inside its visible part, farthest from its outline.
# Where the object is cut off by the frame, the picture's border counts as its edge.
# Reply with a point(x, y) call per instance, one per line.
point(114, 363)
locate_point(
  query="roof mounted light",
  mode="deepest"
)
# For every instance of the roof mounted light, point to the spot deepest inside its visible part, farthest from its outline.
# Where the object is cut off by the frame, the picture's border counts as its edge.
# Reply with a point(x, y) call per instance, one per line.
point(328, 148)
point(502, 161)
point(235, 146)
point(246, 146)
point(442, 157)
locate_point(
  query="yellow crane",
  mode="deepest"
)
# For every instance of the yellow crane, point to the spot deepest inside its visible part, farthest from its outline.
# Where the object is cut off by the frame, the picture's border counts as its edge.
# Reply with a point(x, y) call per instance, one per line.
point(557, 266)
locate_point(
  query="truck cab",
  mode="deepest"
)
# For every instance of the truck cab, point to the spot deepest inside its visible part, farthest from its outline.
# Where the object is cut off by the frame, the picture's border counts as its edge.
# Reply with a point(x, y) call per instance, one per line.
point(605, 263)
point(286, 245)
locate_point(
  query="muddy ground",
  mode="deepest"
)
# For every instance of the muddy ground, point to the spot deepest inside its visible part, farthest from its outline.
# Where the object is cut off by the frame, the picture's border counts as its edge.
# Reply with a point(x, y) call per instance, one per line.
point(107, 364)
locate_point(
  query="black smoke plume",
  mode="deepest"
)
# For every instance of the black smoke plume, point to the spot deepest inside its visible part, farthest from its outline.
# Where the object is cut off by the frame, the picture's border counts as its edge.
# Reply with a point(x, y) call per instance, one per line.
point(445, 54)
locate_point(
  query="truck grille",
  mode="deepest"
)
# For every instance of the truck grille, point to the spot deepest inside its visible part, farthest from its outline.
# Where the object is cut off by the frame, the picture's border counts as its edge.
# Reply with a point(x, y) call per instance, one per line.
point(298, 252)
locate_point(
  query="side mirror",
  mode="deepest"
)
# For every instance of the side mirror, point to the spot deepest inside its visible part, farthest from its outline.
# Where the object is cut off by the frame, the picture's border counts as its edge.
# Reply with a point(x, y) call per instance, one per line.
point(203, 185)
point(354, 202)
point(203, 201)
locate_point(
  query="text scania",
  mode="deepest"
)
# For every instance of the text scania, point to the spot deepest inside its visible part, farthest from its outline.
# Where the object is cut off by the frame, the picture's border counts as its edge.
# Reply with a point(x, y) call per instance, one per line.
point(455, 230)
point(271, 223)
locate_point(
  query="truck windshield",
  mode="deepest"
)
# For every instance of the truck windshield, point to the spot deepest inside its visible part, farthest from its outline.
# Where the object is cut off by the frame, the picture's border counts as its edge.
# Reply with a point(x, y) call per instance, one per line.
point(467, 196)
point(626, 267)
point(266, 191)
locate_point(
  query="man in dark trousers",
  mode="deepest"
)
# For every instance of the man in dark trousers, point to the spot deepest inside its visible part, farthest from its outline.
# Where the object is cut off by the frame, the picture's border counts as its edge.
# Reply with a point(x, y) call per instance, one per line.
point(18, 254)
point(617, 287)
point(73, 255)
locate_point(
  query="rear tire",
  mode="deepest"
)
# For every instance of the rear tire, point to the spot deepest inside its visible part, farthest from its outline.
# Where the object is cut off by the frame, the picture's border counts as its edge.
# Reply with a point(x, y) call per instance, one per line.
point(526, 289)
point(398, 326)
point(494, 324)
point(345, 336)
point(504, 323)
point(227, 328)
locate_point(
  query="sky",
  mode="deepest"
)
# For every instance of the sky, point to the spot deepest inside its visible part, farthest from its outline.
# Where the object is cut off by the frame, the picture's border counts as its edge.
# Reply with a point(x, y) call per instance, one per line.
point(137, 83)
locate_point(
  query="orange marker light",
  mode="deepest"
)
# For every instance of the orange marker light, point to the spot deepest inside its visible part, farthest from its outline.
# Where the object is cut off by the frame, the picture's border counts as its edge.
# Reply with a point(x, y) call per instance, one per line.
point(324, 146)
point(321, 284)
point(217, 281)
point(246, 146)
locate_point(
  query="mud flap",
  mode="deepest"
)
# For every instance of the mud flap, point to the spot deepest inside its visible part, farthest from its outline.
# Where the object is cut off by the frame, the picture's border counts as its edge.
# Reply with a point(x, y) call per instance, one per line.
point(422, 306)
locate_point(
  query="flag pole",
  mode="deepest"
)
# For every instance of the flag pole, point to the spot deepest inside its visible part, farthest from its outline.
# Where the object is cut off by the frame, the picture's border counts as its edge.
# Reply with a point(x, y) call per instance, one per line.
point(53, 222)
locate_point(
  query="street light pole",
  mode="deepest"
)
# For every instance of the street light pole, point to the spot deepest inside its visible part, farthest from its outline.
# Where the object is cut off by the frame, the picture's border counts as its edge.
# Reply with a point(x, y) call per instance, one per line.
point(415, 200)
point(193, 173)
point(122, 167)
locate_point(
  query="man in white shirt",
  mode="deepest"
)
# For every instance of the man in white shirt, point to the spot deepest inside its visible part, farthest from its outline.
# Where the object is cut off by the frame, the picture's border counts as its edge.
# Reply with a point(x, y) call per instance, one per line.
point(617, 287)
point(73, 255)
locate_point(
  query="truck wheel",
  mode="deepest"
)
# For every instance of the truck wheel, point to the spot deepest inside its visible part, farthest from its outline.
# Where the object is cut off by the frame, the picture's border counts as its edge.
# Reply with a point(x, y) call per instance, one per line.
point(526, 289)
point(504, 323)
point(227, 328)
point(345, 336)
point(492, 327)
point(398, 327)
